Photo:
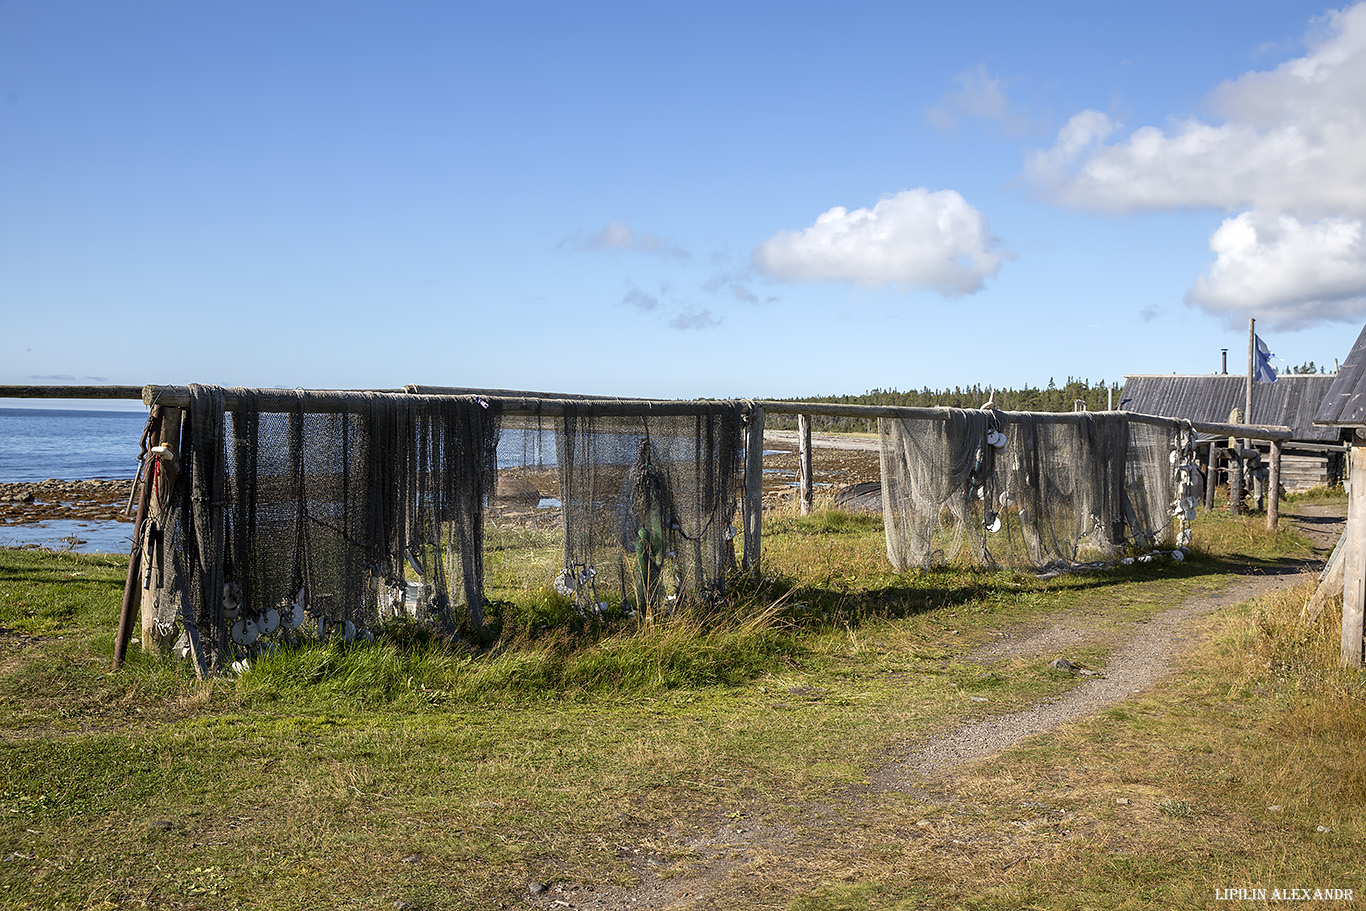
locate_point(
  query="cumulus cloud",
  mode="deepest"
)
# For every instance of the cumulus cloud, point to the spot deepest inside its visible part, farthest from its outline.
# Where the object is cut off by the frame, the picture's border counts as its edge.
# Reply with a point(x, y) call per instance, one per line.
point(1292, 139)
point(1289, 273)
point(917, 238)
point(1286, 145)
point(620, 236)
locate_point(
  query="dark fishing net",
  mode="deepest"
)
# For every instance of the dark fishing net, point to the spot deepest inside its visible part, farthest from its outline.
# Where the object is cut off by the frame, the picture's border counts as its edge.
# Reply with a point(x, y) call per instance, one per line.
point(1021, 489)
point(648, 506)
point(283, 519)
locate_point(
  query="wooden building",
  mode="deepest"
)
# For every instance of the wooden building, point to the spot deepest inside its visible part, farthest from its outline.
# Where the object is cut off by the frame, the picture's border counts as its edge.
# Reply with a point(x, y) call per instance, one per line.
point(1312, 458)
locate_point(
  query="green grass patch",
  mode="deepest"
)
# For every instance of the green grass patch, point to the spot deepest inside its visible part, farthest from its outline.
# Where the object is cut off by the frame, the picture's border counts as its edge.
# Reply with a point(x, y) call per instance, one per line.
point(448, 775)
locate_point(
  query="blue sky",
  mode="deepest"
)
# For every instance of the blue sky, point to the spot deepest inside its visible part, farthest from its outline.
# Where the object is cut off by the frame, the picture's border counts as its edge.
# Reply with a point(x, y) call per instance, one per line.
point(682, 200)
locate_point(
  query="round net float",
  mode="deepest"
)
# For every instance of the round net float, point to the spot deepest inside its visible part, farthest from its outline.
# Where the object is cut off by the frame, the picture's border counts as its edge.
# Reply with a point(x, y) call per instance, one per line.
point(245, 632)
point(996, 439)
point(347, 630)
point(993, 522)
point(293, 616)
point(231, 609)
point(269, 621)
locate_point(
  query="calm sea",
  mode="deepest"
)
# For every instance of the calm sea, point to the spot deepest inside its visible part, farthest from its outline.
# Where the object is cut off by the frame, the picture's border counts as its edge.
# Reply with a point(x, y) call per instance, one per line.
point(37, 444)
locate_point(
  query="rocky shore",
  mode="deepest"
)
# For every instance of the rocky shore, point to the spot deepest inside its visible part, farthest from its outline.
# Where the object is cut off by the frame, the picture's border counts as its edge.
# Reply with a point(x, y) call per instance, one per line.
point(42, 501)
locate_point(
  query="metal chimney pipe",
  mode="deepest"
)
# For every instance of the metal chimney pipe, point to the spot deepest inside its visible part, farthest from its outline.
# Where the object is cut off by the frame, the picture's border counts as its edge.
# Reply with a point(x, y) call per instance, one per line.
point(1224, 352)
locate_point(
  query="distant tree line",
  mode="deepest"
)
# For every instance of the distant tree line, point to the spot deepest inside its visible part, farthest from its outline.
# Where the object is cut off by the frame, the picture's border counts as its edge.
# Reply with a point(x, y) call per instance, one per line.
point(1068, 397)
point(1308, 367)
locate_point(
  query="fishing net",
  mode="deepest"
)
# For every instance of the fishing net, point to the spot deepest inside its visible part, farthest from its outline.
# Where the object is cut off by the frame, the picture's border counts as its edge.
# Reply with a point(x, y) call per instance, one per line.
point(648, 506)
point(1022, 489)
point(291, 517)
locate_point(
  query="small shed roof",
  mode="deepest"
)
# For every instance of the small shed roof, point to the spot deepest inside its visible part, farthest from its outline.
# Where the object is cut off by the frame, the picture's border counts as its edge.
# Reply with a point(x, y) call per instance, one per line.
point(1345, 400)
point(1293, 400)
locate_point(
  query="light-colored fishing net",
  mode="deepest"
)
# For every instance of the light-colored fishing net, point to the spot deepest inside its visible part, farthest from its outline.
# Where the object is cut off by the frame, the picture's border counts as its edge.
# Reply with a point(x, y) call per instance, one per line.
point(1019, 489)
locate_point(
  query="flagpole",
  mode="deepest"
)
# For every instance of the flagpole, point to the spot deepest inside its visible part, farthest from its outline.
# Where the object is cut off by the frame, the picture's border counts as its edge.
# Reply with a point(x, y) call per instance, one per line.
point(1251, 367)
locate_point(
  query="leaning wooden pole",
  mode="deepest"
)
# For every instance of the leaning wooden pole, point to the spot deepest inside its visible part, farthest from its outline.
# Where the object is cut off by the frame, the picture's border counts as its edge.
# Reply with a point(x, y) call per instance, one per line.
point(132, 592)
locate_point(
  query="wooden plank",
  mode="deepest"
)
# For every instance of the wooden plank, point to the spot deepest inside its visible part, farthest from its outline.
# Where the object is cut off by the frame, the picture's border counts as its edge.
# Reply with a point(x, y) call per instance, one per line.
point(753, 508)
point(1354, 574)
point(805, 484)
point(1330, 581)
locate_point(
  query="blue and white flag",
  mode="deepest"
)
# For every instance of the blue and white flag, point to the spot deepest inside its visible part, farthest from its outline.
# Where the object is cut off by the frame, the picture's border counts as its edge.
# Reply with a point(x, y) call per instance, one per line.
point(1262, 369)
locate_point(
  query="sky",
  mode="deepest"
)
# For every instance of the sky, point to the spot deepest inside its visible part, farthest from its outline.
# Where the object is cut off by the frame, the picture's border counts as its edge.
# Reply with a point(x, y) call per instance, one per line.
point(700, 200)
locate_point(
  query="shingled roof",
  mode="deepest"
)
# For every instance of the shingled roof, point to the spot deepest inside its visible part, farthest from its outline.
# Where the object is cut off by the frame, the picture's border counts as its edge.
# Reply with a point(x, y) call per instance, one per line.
point(1345, 400)
point(1293, 400)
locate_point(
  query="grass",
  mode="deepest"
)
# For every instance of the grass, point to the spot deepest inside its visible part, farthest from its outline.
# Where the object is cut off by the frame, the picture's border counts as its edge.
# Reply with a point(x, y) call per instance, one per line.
point(410, 771)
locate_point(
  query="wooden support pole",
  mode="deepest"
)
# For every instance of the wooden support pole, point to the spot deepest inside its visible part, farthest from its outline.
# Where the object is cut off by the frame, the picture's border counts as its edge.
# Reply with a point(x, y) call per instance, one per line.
point(804, 482)
point(132, 592)
point(1235, 482)
point(1211, 477)
point(753, 507)
point(1273, 503)
point(1354, 581)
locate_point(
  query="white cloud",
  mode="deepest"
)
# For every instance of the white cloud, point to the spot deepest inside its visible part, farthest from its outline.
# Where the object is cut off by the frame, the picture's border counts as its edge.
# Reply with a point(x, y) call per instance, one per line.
point(1292, 139)
point(618, 235)
point(1288, 273)
point(1288, 145)
point(916, 238)
point(979, 94)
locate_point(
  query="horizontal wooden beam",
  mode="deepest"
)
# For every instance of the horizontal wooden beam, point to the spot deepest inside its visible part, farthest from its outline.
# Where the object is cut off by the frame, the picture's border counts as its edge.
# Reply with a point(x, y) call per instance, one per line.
point(335, 401)
point(71, 392)
point(419, 389)
point(1250, 431)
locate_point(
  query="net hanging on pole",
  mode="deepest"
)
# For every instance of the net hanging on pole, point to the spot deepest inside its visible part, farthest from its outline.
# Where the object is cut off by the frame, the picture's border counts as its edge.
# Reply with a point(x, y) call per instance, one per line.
point(282, 519)
point(649, 504)
point(1023, 490)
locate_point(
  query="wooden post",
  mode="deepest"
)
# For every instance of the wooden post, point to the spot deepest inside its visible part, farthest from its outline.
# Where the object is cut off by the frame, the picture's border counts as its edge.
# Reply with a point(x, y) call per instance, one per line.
point(753, 510)
point(1273, 503)
point(804, 483)
point(1235, 482)
point(1211, 476)
point(1354, 581)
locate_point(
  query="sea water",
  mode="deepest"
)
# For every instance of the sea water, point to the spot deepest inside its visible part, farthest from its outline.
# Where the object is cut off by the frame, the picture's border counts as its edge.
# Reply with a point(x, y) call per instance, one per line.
point(37, 444)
